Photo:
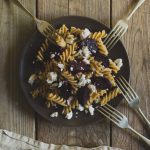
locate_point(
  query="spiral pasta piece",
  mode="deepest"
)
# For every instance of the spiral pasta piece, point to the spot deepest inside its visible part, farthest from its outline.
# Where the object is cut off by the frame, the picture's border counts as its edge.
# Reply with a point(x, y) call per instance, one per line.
point(74, 104)
point(71, 79)
point(68, 54)
point(60, 41)
point(57, 99)
point(113, 66)
point(109, 96)
point(75, 30)
point(93, 96)
point(42, 50)
point(63, 30)
point(98, 35)
point(96, 66)
point(102, 48)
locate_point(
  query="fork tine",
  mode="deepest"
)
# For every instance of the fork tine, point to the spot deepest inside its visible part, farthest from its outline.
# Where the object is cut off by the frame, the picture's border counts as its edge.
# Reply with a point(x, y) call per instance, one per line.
point(123, 90)
point(115, 39)
point(116, 36)
point(113, 111)
point(101, 111)
point(129, 85)
point(110, 35)
point(126, 88)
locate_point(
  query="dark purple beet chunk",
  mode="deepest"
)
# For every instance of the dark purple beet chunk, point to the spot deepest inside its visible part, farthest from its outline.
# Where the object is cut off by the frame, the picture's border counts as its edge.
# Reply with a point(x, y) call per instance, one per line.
point(78, 66)
point(101, 83)
point(65, 90)
point(91, 44)
point(104, 59)
point(83, 95)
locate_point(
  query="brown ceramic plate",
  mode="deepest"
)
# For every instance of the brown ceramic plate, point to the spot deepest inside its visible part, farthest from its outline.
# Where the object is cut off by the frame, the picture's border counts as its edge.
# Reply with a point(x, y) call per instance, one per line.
point(26, 66)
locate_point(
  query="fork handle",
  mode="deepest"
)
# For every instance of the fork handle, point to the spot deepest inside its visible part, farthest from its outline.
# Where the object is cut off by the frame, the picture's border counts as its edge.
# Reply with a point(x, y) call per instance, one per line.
point(146, 140)
point(18, 3)
point(139, 3)
point(143, 116)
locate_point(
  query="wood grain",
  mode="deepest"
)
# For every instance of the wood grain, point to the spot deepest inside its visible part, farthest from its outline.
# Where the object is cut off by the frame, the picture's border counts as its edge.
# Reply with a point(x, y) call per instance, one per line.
point(136, 41)
point(15, 29)
point(87, 136)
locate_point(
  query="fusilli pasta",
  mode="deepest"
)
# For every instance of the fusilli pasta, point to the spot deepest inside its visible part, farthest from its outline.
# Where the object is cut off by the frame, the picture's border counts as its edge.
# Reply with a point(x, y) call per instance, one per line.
point(57, 99)
point(109, 96)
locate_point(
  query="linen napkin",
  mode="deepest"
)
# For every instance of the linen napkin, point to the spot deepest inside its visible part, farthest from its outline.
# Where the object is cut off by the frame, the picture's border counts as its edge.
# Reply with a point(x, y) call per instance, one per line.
point(13, 141)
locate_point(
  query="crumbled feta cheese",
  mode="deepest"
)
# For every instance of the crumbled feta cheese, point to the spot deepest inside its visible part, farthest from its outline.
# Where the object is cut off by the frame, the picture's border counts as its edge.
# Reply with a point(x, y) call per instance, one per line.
point(86, 61)
point(83, 81)
point(85, 51)
point(91, 110)
point(86, 111)
point(55, 114)
point(32, 79)
point(51, 77)
point(61, 66)
point(52, 56)
point(69, 100)
point(69, 115)
point(77, 113)
point(60, 84)
point(119, 63)
point(71, 68)
point(94, 51)
point(85, 33)
point(80, 108)
point(92, 87)
point(82, 68)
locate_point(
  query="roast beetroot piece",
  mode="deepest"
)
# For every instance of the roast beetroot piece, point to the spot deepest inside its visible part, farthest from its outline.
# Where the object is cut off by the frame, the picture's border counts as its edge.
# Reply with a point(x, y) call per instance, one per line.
point(90, 43)
point(104, 59)
point(83, 95)
point(78, 66)
point(101, 83)
point(65, 90)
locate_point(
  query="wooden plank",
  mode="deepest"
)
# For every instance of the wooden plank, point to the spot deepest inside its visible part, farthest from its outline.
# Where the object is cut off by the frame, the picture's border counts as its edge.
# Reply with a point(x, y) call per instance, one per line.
point(97, 9)
point(88, 136)
point(136, 41)
point(15, 30)
point(50, 9)
point(99, 133)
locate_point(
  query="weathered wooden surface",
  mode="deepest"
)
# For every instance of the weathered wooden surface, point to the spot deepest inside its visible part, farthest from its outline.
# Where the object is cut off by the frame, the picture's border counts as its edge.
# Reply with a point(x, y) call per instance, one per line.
point(136, 41)
point(15, 29)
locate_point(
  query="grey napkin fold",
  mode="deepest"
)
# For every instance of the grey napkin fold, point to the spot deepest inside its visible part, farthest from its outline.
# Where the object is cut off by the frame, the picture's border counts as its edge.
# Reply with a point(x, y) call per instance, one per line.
point(13, 141)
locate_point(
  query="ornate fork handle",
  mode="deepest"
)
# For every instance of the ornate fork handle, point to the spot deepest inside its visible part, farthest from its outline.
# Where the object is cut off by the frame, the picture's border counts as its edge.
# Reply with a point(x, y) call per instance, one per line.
point(134, 10)
point(138, 109)
point(146, 140)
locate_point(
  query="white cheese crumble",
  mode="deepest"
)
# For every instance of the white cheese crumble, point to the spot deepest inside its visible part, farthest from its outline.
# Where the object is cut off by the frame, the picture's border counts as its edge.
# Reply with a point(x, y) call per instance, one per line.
point(85, 33)
point(83, 81)
point(52, 55)
point(32, 79)
point(69, 100)
point(92, 87)
point(86, 61)
point(80, 108)
point(91, 110)
point(119, 63)
point(55, 114)
point(51, 77)
point(85, 51)
point(60, 84)
point(61, 66)
point(69, 115)
point(71, 68)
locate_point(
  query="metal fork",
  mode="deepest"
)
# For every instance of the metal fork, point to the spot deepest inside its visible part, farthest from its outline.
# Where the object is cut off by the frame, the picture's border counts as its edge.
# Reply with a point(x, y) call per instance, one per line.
point(131, 97)
point(119, 119)
point(43, 27)
point(120, 28)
